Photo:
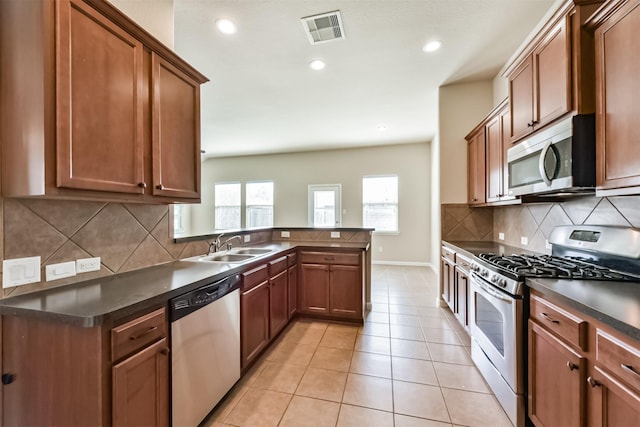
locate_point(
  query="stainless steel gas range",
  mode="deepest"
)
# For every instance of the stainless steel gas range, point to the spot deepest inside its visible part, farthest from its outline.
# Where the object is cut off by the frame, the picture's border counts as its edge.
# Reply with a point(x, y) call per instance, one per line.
point(498, 303)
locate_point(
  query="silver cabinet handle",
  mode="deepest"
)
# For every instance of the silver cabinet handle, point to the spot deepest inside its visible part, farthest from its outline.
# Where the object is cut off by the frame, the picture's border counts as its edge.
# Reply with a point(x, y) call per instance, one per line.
point(593, 383)
point(493, 293)
point(629, 369)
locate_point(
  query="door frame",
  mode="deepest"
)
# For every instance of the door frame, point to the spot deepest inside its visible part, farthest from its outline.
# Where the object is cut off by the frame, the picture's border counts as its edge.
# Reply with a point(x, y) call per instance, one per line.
point(312, 188)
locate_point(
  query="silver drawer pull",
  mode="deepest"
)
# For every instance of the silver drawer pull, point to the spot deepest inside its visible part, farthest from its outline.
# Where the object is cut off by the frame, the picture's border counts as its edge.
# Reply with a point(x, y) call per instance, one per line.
point(593, 383)
point(629, 369)
point(148, 331)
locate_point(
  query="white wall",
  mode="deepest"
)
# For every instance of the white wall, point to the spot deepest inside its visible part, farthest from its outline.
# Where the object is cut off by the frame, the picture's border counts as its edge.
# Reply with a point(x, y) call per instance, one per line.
point(155, 16)
point(292, 173)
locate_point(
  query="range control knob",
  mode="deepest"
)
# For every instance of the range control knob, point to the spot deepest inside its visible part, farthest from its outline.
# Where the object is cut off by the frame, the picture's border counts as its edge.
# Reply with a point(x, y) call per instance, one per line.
point(502, 283)
point(484, 273)
point(494, 278)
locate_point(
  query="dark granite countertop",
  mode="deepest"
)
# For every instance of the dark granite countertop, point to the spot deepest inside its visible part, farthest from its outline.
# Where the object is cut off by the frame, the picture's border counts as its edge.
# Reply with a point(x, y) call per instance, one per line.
point(107, 299)
point(616, 304)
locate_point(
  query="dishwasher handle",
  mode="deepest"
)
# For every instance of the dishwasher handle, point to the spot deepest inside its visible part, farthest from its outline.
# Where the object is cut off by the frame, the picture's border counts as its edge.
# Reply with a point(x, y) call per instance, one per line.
point(186, 304)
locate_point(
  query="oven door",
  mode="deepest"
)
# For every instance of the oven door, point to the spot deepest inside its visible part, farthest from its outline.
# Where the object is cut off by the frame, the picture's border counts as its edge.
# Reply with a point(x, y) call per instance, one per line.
point(496, 326)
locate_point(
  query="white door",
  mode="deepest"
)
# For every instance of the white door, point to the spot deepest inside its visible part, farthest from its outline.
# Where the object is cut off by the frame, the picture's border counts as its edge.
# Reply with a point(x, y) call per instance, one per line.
point(324, 205)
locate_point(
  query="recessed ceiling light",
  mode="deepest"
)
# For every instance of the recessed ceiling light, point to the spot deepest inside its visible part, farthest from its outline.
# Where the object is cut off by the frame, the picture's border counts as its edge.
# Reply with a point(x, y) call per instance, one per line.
point(317, 64)
point(226, 26)
point(432, 46)
point(382, 128)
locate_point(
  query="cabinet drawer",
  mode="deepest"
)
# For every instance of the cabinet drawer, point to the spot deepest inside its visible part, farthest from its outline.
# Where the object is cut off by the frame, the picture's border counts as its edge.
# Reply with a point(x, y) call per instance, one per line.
point(569, 327)
point(463, 263)
point(620, 357)
point(277, 266)
point(293, 259)
point(136, 334)
point(449, 254)
point(253, 278)
point(330, 258)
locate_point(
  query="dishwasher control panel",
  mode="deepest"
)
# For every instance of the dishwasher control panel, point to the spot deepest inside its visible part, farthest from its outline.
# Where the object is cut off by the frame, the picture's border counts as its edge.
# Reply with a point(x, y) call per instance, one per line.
point(191, 301)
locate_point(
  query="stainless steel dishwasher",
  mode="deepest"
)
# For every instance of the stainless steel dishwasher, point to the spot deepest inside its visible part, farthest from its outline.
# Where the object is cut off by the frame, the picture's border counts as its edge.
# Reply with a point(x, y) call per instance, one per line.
point(205, 344)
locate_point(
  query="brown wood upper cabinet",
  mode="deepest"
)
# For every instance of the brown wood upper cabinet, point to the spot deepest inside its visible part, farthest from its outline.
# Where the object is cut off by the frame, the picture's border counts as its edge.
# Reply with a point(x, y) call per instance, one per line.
point(617, 32)
point(497, 144)
point(99, 109)
point(476, 167)
point(553, 74)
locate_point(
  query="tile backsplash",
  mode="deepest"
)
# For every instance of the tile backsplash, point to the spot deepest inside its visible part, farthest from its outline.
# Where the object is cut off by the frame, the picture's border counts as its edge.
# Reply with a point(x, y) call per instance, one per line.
point(125, 236)
point(535, 221)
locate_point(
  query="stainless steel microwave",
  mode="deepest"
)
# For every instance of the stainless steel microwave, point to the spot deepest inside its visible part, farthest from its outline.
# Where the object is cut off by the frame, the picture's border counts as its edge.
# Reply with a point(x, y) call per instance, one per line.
point(558, 159)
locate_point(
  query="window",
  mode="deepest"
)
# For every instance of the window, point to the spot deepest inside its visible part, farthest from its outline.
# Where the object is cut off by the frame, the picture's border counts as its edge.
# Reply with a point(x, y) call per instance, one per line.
point(324, 205)
point(227, 205)
point(380, 203)
point(259, 204)
point(178, 219)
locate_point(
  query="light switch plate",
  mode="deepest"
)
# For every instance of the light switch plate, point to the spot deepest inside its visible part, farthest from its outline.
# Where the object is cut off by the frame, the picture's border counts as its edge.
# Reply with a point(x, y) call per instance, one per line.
point(20, 271)
point(335, 234)
point(285, 234)
point(84, 265)
point(500, 236)
point(247, 238)
point(60, 271)
point(524, 240)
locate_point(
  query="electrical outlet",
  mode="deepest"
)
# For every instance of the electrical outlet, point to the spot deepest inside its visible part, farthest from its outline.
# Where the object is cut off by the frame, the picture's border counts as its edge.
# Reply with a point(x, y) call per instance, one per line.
point(524, 240)
point(60, 271)
point(500, 236)
point(20, 271)
point(335, 234)
point(247, 238)
point(85, 265)
point(285, 234)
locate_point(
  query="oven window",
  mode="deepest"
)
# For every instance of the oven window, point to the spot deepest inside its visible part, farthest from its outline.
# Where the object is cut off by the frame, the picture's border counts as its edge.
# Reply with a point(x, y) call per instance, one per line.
point(490, 322)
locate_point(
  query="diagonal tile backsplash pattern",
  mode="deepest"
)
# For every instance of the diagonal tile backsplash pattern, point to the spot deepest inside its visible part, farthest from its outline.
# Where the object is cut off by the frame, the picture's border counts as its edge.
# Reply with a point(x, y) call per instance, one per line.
point(125, 236)
point(536, 221)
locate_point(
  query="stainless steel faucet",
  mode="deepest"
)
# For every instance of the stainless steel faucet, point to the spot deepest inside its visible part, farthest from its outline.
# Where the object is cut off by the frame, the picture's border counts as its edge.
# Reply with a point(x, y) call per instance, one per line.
point(228, 241)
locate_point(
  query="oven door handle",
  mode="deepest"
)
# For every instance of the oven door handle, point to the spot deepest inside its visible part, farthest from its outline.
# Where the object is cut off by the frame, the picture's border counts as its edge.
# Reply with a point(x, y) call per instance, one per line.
point(543, 156)
point(493, 293)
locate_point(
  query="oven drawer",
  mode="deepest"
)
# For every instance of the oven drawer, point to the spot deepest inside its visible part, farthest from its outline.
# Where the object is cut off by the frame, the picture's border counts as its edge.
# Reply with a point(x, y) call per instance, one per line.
point(569, 327)
point(619, 357)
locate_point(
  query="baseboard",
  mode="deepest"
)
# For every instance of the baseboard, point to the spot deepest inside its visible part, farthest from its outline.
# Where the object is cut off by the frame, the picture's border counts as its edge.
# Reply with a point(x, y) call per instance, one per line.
point(405, 263)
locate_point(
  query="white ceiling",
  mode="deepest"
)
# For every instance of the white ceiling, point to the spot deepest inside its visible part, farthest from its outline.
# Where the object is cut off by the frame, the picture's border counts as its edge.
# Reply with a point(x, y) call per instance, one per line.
point(264, 98)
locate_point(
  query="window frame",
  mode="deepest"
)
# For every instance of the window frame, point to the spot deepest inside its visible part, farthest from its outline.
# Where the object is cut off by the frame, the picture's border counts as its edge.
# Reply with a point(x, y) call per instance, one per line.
point(397, 204)
point(215, 205)
point(246, 204)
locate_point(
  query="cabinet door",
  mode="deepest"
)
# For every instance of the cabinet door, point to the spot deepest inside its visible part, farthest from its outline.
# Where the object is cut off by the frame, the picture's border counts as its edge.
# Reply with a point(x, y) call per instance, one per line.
point(99, 100)
point(446, 276)
point(314, 288)
point(254, 322)
point(493, 131)
point(557, 381)
point(278, 306)
point(175, 121)
point(552, 76)
point(476, 168)
point(505, 123)
point(462, 297)
point(611, 403)
point(345, 291)
point(293, 290)
point(617, 94)
point(521, 99)
point(141, 388)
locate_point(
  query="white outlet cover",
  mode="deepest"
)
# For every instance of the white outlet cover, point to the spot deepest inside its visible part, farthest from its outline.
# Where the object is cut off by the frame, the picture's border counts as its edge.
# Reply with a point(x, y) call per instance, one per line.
point(20, 271)
point(85, 265)
point(247, 238)
point(524, 240)
point(60, 271)
point(501, 236)
point(335, 234)
point(285, 234)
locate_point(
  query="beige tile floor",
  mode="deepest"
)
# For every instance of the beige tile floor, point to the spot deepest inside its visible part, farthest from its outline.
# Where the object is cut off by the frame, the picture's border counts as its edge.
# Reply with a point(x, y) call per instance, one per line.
point(408, 366)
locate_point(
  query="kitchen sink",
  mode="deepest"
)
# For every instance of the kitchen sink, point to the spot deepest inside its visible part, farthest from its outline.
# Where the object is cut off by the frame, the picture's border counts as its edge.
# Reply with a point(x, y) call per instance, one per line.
point(226, 257)
point(252, 251)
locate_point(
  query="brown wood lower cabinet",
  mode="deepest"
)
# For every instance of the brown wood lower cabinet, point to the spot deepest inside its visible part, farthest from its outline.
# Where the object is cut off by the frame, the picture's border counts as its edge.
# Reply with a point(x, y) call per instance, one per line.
point(292, 284)
point(278, 296)
point(557, 377)
point(331, 284)
point(141, 388)
point(71, 375)
point(581, 372)
point(254, 315)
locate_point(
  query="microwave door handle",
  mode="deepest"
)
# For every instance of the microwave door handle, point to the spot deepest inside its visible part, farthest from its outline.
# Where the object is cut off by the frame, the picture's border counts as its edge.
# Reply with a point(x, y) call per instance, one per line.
point(543, 156)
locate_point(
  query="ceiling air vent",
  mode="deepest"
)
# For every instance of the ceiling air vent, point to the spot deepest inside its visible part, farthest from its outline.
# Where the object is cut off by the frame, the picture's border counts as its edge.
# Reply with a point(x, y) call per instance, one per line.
point(324, 27)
